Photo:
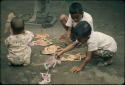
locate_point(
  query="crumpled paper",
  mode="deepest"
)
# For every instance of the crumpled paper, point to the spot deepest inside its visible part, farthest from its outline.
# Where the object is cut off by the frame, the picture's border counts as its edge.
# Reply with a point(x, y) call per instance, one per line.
point(51, 62)
point(46, 78)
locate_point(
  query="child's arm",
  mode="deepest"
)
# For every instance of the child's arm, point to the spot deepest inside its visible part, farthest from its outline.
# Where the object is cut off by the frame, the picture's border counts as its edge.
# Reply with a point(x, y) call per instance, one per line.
point(69, 32)
point(31, 36)
point(7, 43)
point(68, 48)
point(82, 66)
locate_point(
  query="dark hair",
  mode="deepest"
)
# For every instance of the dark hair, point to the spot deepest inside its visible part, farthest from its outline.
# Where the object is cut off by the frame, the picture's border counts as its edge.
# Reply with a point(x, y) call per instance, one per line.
point(75, 8)
point(17, 25)
point(82, 29)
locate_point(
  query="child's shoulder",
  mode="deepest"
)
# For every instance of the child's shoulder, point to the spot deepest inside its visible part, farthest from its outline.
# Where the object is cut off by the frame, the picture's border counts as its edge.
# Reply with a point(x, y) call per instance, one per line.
point(99, 35)
point(96, 34)
point(28, 32)
point(18, 35)
point(87, 14)
point(10, 37)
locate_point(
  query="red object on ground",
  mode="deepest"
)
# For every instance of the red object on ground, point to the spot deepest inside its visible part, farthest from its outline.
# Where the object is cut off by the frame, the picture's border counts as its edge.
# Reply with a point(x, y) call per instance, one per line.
point(62, 38)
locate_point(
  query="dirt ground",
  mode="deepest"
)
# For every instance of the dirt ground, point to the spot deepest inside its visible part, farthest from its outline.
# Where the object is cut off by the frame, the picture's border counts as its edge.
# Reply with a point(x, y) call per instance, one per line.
point(108, 16)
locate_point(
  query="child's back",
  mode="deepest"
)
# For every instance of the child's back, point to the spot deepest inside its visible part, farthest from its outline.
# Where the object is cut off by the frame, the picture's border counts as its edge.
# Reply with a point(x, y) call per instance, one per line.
point(99, 40)
point(17, 44)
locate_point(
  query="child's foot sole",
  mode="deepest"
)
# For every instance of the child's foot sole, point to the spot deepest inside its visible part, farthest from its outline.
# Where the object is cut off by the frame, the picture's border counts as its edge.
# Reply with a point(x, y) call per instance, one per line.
point(108, 63)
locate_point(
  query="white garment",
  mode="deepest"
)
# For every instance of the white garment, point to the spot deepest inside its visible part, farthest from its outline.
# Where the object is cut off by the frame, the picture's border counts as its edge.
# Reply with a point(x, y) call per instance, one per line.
point(18, 47)
point(86, 17)
point(99, 40)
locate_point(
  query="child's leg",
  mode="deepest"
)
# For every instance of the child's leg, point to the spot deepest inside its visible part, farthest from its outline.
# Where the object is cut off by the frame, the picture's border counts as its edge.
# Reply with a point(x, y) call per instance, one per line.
point(27, 57)
point(26, 62)
point(15, 61)
point(106, 55)
point(63, 19)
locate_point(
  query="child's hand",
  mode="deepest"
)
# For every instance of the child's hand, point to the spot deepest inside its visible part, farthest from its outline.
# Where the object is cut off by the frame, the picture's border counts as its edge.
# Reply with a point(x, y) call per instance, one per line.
point(76, 69)
point(58, 54)
point(68, 34)
point(31, 44)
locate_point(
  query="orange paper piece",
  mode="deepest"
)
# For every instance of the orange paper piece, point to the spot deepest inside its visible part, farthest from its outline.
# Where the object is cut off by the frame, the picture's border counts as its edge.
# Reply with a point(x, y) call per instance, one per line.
point(42, 36)
point(50, 49)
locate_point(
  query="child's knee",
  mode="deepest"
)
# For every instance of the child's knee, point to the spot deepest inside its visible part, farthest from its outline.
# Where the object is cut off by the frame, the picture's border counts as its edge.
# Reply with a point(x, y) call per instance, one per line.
point(96, 54)
point(104, 54)
point(63, 17)
point(15, 62)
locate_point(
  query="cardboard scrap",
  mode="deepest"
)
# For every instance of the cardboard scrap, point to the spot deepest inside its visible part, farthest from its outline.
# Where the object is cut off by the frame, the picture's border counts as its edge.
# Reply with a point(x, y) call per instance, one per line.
point(50, 49)
point(71, 57)
point(46, 78)
point(51, 62)
point(42, 40)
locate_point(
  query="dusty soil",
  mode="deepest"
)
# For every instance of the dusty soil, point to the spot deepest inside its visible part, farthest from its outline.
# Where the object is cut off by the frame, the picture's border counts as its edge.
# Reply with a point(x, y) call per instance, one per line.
point(108, 17)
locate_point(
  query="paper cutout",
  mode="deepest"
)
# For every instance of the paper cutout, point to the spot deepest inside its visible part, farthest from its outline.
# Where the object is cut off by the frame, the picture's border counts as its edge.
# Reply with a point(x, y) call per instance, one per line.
point(50, 49)
point(43, 40)
point(51, 62)
point(71, 57)
point(42, 36)
point(46, 78)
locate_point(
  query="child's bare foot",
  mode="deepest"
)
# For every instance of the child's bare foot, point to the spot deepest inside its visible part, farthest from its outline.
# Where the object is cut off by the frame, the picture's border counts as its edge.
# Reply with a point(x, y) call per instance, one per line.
point(106, 63)
point(25, 64)
point(15, 65)
point(65, 39)
point(109, 62)
point(62, 38)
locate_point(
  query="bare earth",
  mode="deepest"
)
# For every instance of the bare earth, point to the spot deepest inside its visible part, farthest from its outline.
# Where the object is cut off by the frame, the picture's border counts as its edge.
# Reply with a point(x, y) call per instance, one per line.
point(108, 17)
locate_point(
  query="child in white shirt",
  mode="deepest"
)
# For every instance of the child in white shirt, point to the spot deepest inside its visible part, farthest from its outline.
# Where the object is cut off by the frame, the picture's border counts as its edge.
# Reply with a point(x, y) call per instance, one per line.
point(76, 15)
point(99, 44)
point(19, 51)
